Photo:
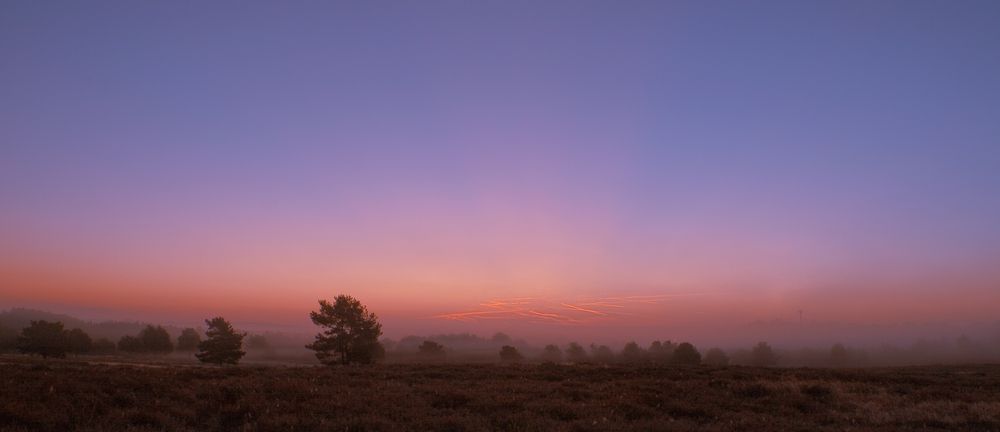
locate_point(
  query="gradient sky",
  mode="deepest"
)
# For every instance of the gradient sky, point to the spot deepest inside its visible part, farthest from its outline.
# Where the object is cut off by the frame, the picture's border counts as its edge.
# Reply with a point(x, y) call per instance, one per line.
point(660, 163)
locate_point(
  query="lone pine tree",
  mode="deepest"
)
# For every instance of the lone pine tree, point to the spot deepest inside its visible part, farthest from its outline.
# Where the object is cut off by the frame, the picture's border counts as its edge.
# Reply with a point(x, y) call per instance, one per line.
point(222, 344)
point(350, 333)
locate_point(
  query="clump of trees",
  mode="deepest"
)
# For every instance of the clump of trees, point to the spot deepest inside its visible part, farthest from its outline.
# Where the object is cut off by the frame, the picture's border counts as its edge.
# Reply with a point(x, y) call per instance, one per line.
point(47, 339)
point(349, 332)
point(661, 352)
point(152, 340)
point(51, 339)
point(222, 344)
point(686, 354)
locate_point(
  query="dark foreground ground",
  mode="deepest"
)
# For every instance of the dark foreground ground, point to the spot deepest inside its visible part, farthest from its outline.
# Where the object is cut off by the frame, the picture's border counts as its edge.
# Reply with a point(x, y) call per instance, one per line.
point(67, 395)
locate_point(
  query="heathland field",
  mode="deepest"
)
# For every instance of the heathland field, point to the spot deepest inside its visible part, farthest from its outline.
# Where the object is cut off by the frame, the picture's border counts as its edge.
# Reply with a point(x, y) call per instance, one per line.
point(68, 395)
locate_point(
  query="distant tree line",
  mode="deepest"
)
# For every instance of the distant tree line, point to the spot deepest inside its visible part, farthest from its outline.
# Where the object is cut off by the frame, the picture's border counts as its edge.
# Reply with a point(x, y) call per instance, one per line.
point(349, 334)
point(223, 345)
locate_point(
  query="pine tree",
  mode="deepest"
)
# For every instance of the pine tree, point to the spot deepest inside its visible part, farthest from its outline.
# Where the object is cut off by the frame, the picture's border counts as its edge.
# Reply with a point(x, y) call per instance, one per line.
point(222, 344)
point(350, 332)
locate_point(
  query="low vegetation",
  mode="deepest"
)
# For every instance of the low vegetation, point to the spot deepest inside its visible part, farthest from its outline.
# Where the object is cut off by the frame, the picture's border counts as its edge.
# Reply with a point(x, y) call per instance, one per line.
point(57, 395)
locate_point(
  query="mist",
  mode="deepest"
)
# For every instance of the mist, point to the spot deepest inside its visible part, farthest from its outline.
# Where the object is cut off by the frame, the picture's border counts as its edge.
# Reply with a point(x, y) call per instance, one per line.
point(801, 342)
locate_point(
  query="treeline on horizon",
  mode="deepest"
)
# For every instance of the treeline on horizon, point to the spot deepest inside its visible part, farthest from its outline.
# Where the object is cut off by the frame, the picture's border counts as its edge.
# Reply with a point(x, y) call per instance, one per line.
point(140, 339)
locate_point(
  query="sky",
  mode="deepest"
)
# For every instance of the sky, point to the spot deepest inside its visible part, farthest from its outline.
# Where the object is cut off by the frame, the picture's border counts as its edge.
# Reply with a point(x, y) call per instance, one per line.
point(552, 167)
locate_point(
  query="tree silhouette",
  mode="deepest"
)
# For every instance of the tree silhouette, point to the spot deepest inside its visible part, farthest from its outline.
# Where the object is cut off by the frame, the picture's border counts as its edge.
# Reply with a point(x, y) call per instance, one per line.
point(430, 350)
point(47, 339)
point(222, 344)
point(130, 344)
point(763, 355)
point(716, 357)
point(156, 340)
point(259, 345)
point(552, 354)
point(8, 338)
point(104, 346)
point(686, 354)
point(575, 353)
point(350, 333)
point(188, 340)
point(509, 354)
point(79, 341)
point(661, 352)
point(632, 353)
point(601, 354)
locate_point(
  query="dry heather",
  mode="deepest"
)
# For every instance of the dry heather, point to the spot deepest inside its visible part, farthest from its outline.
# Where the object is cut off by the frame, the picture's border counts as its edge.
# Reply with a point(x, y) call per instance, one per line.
point(67, 395)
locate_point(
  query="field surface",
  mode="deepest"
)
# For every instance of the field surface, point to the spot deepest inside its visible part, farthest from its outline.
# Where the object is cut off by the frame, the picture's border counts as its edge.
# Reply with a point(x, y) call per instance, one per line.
point(65, 395)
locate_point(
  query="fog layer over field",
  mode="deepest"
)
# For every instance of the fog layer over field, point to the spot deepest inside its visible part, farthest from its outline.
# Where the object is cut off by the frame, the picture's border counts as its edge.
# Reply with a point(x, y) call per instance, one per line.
point(802, 343)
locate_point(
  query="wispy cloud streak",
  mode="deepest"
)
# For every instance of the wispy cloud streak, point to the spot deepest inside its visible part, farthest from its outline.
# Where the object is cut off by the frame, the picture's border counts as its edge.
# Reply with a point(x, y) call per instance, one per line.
point(564, 311)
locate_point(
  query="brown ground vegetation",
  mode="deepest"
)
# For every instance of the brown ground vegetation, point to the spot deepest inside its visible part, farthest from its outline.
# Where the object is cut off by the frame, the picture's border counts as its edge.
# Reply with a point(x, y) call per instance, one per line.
point(64, 395)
